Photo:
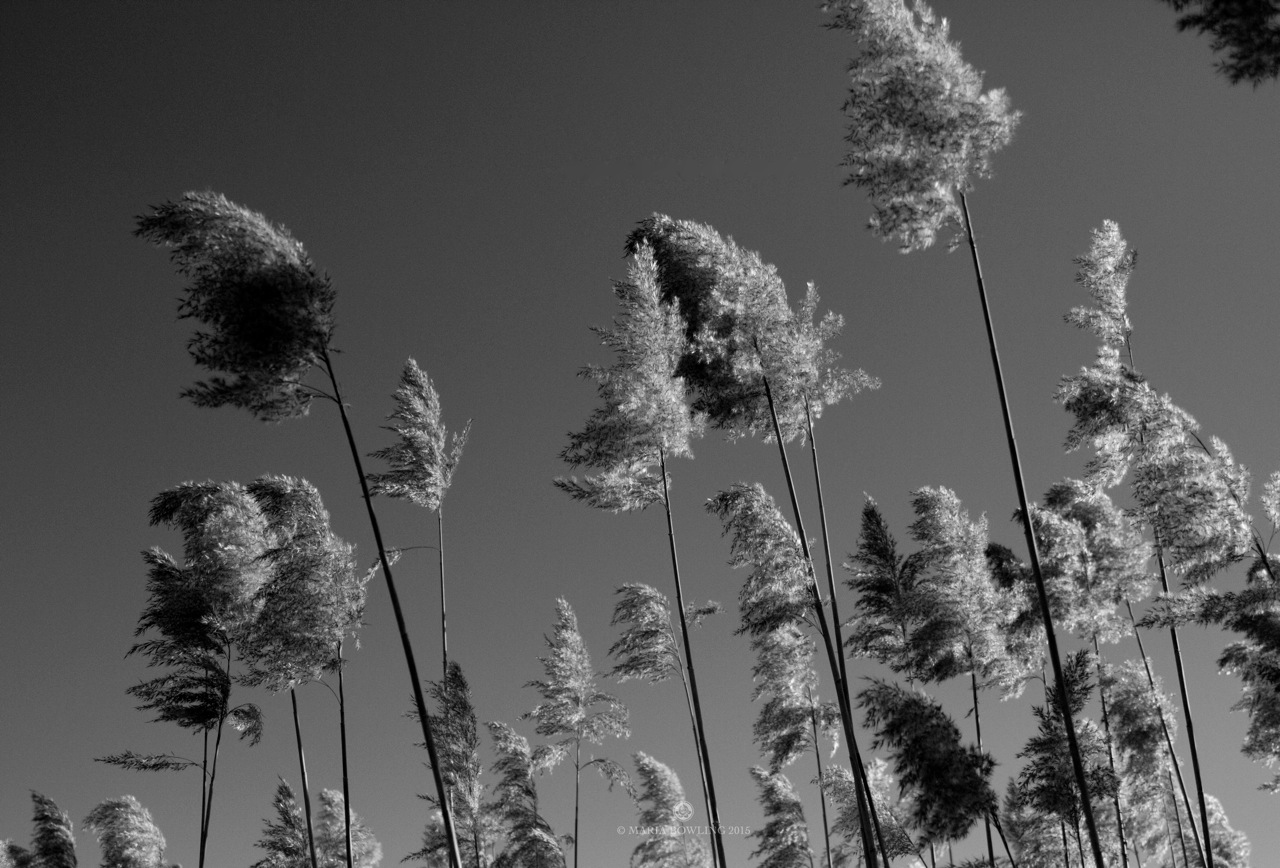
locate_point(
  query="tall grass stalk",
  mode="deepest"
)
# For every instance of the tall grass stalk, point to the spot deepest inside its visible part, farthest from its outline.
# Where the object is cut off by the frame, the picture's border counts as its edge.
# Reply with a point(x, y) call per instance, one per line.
point(346, 789)
point(306, 786)
point(419, 701)
point(691, 689)
point(822, 794)
point(1055, 659)
point(977, 725)
point(866, 806)
point(270, 319)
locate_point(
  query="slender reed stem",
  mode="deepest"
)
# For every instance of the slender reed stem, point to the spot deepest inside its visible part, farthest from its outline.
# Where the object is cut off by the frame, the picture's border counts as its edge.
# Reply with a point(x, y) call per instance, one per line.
point(419, 701)
point(1077, 763)
point(1177, 817)
point(346, 789)
point(822, 794)
point(1206, 850)
point(1111, 757)
point(866, 807)
point(213, 767)
point(444, 626)
point(704, 755)
point(1168, 738)
point(204, 779)
point(995, 821)
point(577, 780)
point(306, 786)
point(702, 768)
point(977, 723)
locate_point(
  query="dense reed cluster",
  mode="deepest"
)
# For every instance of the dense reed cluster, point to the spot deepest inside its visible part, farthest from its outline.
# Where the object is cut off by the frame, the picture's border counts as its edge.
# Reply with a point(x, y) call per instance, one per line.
point(265, 594)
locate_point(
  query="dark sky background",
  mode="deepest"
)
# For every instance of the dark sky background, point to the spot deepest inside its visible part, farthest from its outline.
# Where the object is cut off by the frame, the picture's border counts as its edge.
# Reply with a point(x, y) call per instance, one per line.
point(467, 173)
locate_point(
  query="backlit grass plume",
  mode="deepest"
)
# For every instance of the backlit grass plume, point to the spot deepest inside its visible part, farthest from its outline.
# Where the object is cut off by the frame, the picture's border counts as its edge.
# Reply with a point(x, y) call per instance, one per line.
point(644, 418)
point(776, 592)
point(966, 627)
point(315, 595)
point(129, 838)
point(742, 331)
point(838, 783)
point(424, 459)
point(574, 710)
point(648, 649)
point(667, 844)
point(267, 311)
point(781, 592)
point(1047, 777)
point(784, 840)
point(458, 747)
point(1140, 713)
point(530, 840)
point(422, 463)
point(1191, 496)
point(626, 443)
point(284, 839)
point(1094, 557)
point(920, 126)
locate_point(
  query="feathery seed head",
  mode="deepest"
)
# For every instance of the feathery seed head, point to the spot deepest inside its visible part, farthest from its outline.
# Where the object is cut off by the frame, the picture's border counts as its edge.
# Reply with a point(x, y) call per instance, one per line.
point(777, 592)
point(1104, 272)
point(644, 418)
point(741, 332)
point(128, 836)
point(315, 595)
point(920, 126)
point(424, 459)
point(267, 310)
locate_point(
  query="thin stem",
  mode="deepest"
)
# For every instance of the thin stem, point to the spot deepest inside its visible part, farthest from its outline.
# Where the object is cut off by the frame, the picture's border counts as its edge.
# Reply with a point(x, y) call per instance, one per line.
point(204, 779)
point(1168, 737)
point(1111, 758)
point(1177, 818)
point(977, 723)
point(1077, 763)
point(306, 786)
point(835, 607)
point(1206, 849)
point(419, 701)
point(577, 777)
point(846, 715)
point(342, 730)
point(213, 768)
point(822, 793)
point(704, 755)
point(697, 744)
point(213, 774)
point(444, 626)
point(995, 821)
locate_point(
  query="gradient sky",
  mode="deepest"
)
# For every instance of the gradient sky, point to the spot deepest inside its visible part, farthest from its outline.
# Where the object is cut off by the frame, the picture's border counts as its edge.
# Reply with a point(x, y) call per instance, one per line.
point(466, 173)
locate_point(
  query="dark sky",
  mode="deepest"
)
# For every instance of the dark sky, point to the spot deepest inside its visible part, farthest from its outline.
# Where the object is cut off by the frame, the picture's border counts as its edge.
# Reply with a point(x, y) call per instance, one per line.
point(467, 173)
